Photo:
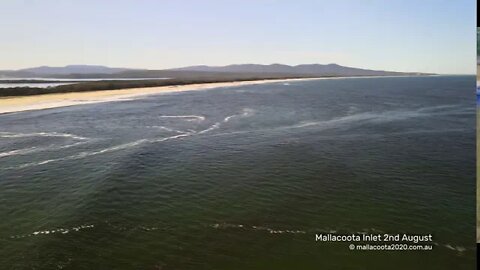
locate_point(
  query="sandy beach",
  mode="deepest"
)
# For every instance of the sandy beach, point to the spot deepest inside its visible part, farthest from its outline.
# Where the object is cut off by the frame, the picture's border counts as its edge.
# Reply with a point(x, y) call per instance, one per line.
point(48, 101)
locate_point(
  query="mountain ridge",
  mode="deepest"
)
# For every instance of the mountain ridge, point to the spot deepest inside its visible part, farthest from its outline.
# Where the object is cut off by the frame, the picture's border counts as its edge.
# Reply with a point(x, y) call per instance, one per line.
point(331, 69)
point(73, 71)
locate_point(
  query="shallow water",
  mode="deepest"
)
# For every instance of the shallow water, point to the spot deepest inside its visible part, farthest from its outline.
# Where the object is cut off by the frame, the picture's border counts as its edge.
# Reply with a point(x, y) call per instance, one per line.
point(243, 177)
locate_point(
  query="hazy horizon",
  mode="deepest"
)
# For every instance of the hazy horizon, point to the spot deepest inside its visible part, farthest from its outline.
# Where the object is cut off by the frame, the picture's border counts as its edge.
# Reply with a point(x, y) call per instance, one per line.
point(406, 36)
point(64, 66)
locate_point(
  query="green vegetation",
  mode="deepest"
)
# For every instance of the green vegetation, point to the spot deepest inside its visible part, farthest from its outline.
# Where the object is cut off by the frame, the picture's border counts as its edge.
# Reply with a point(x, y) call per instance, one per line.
point(478, 41)
point(115, 85)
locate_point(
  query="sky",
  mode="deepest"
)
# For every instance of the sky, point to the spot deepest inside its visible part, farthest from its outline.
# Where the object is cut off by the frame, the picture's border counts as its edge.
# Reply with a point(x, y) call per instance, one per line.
point(436, 36)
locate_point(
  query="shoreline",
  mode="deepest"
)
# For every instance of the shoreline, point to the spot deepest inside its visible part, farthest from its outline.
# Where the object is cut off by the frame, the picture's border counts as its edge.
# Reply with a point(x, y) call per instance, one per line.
point(57, 100)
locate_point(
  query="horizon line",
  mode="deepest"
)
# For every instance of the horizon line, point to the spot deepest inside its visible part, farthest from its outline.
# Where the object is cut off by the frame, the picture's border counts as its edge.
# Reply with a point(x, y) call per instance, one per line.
point(207, 65)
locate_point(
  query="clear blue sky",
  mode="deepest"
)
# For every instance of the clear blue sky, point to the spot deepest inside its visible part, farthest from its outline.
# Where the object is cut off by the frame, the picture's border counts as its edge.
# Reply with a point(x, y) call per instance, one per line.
point(405, 35)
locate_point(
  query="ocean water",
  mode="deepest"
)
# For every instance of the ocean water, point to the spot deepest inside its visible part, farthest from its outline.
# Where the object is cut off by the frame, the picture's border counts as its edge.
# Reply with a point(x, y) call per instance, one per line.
point(243, 177)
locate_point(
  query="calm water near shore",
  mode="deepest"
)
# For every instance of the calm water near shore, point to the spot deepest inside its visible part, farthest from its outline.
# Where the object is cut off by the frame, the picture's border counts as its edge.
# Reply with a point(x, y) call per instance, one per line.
point(243, 177)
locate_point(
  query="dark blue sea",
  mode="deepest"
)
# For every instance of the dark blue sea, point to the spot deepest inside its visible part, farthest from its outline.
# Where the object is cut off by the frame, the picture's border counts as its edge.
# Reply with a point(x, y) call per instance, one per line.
point(243, 177)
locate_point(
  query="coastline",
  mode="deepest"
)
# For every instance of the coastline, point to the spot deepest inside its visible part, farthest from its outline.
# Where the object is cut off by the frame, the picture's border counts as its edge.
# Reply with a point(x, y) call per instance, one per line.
point(56, 100)
point(50, 101)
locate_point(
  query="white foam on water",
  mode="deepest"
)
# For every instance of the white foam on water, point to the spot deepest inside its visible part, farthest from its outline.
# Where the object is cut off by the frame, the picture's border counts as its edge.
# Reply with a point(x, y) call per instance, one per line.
point(440, 107)
point(212, 127)
point(186, 117)
point(366, 117)
point(456, 248)
point(98, 152)
point(235, 132)
point(32, 150)
point(53, 231)
point(226, 119)
point(255, 228)
point(148, 228)
point(18, 152)
point(245, 113)
point(449, 246)
point(41, 134)
point(166, 128)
